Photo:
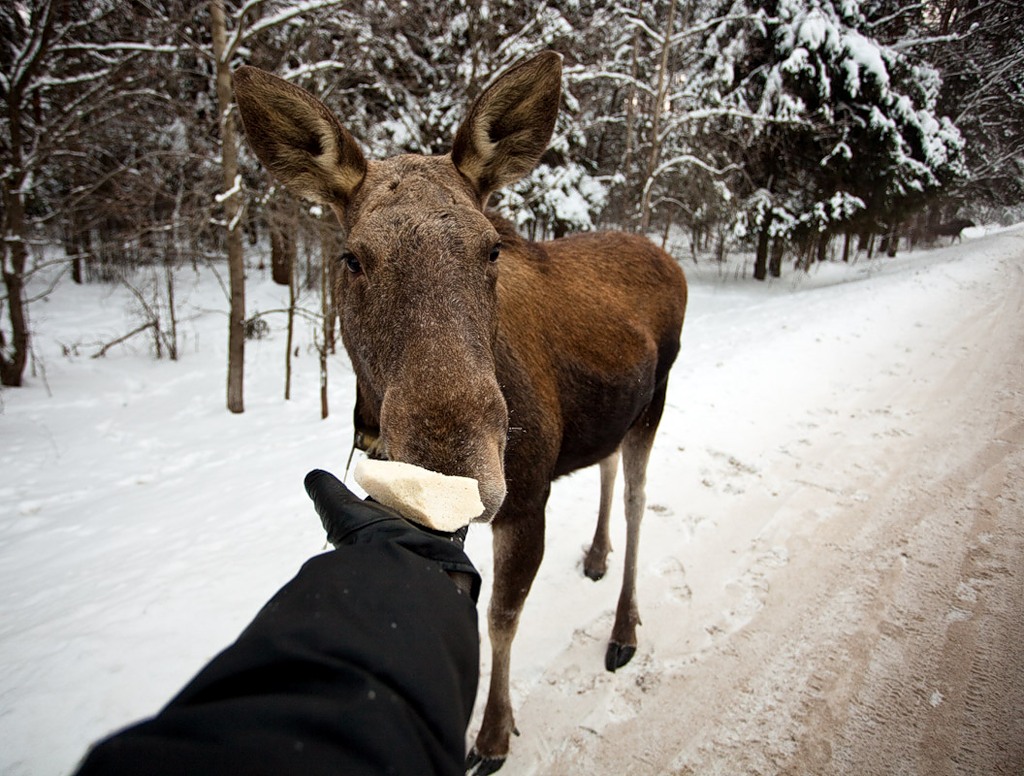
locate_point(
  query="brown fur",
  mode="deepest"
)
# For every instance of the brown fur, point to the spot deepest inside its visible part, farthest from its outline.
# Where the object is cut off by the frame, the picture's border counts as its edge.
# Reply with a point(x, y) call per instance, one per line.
point(514, 372)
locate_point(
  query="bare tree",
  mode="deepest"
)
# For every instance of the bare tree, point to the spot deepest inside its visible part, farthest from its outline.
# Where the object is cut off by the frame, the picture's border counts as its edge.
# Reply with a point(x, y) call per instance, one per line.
point(660, 95)
point(231, 199)
point(65, 70)
point(226, 42)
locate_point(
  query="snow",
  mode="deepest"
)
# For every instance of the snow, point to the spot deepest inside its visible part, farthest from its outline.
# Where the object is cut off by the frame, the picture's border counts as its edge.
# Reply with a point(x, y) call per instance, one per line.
point(567, 193)
point(225, 195)
point(815, 30)
point(867, 57)
point(142, 525)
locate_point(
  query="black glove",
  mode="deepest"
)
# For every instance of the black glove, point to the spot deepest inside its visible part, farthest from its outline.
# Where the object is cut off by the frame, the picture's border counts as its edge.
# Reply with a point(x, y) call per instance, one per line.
point(350, 520)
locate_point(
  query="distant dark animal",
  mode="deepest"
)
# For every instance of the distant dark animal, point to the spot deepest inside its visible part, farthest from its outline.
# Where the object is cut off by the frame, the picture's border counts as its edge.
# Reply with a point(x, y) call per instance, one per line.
point(477, 352)
point(952, 229)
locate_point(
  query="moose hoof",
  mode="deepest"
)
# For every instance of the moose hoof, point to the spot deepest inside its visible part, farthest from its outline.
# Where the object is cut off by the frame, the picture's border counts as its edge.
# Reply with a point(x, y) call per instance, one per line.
point(618, 655)
point(478, 765)
point(595, 563)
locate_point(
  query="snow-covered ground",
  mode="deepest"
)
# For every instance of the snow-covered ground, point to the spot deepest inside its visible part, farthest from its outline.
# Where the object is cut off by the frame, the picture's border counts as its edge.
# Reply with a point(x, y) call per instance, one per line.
point(142, 525)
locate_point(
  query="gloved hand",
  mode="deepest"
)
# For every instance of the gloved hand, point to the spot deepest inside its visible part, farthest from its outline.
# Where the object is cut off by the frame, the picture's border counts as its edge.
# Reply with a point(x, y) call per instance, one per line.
point(350, 520)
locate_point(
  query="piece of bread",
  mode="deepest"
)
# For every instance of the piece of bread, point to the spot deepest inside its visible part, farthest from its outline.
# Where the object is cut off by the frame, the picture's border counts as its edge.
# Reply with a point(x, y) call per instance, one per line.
point(437, 501)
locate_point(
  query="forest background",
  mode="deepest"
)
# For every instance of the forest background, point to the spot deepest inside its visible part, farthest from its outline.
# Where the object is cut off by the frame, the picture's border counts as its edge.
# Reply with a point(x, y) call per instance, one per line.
point(798, 130)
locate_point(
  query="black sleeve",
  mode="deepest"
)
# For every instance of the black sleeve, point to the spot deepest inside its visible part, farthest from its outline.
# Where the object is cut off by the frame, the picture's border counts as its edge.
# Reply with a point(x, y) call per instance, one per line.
point(365, 663)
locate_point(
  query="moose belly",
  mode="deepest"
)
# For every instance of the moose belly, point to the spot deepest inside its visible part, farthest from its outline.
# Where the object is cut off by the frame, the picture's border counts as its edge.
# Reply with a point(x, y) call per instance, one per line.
point(597, 410)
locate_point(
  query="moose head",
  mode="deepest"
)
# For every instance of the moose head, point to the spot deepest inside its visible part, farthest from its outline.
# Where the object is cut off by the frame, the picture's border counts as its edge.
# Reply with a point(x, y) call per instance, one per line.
point(418, 285)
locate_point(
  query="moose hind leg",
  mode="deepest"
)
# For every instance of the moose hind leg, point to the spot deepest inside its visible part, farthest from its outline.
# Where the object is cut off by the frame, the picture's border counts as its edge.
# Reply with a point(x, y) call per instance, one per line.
point(595, 564)
point(636, 451)
point(518, 550)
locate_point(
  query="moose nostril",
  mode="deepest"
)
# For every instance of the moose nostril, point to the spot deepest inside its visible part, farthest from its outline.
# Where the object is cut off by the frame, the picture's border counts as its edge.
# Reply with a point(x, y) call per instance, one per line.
point(456, 427)
point(492, 494)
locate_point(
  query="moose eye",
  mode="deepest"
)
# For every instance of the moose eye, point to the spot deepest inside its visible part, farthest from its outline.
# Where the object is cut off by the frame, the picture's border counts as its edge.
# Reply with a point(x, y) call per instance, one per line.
point(351, 263)
point(495, 252)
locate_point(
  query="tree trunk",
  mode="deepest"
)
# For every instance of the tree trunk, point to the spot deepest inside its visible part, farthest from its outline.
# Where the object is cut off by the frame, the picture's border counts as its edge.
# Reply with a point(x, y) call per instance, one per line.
point(282, 255)
point(775, 263)
point(846, 247)
point(14, 355)
point(332, 330)
point(893, 239)
point(659, 99)
point(631, 100)
point(330, 246)
point(172, 345)
point(823, 240)
point(761, 258)
point(804, 254)
point(668, 228)
point(20, 139)
point(154, 311)
point(82, 250)
point(232, 211)
point(720, 247)
point(326, 310)
point(76, 245)
point(292, 295)
point(284, 223)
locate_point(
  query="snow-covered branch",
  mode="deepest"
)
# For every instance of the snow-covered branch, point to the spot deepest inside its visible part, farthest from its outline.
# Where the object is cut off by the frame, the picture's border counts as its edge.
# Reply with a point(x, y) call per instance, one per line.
point(640, 24)
point(48, 82)
point(911, 8)
point(243, 32)
point(686, 160)
point(912, 42)
point(579, 75)
point(683, 117)
point(28, 58)
point(239, 17)
point(710, 24)
point(117, 46)
point(225, 195)
point(324, 65)
point(690, 159)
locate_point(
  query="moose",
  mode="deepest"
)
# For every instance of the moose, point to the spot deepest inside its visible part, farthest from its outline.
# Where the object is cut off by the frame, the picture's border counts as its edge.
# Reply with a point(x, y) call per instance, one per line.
point(481, 354)
point(952, 229)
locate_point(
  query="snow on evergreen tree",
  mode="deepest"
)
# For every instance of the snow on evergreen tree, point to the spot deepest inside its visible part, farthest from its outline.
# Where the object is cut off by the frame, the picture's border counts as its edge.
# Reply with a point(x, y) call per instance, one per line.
point(849, 125)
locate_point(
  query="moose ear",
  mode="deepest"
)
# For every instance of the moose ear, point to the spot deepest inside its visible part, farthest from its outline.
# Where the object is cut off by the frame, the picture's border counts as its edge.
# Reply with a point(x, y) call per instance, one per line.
point(510, 124)
point(297, 138)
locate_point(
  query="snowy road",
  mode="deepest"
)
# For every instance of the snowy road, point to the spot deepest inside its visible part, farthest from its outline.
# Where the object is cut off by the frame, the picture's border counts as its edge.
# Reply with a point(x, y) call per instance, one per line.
point(831, 577)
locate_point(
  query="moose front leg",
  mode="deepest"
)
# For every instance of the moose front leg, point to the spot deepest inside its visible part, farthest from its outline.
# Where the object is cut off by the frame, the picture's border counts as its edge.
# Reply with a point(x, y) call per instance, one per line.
point(518, 550)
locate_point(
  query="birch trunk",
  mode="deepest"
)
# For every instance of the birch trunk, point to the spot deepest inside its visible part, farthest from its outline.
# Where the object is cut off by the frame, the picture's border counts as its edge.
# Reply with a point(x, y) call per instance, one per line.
point(326, 310)
point(232, 208)
point(292, 295)
point(659, 100)
point(14, 354)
